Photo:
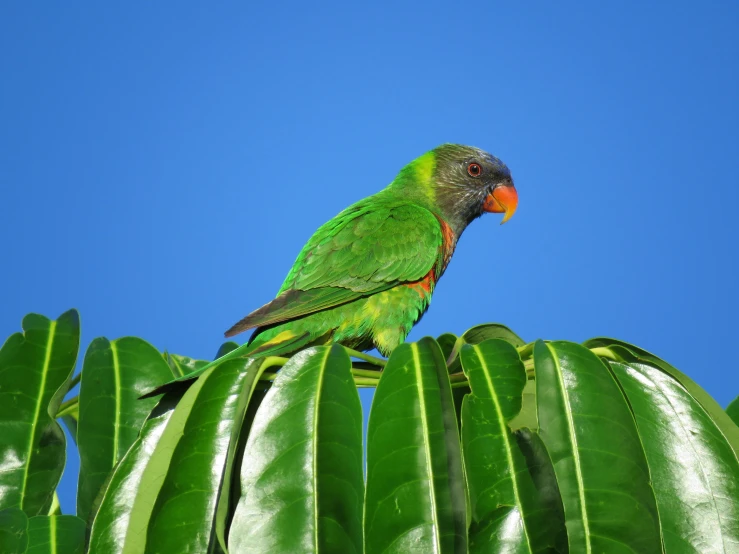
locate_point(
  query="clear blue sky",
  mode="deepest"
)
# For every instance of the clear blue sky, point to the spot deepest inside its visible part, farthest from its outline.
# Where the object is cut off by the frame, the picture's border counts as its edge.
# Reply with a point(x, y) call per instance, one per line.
point(162, 165)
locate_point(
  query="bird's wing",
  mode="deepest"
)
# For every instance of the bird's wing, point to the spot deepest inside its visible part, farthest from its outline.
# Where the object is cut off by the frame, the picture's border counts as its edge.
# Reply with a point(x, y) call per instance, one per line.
point(364, 250)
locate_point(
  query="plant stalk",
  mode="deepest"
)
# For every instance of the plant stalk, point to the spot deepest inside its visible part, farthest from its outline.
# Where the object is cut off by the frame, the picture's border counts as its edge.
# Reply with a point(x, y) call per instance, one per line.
point(365, 382)
point(74, 381)
point(68, 407)
point(366, 373)
point(605, 352)
point(366, 357)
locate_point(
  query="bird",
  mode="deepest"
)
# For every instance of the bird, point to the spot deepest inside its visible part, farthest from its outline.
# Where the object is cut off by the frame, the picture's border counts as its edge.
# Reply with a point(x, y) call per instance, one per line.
point(366, 277)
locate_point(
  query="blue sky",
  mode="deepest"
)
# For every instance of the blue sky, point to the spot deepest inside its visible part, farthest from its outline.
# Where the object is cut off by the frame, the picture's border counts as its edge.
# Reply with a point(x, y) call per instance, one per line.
point(162, 165)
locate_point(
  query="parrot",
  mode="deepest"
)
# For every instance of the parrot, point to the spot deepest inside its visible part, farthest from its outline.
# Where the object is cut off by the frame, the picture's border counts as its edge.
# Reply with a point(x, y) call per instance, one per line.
point(366, 277)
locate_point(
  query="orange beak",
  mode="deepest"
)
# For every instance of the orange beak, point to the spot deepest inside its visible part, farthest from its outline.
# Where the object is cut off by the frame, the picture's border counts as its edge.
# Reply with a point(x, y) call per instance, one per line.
point(503, 200)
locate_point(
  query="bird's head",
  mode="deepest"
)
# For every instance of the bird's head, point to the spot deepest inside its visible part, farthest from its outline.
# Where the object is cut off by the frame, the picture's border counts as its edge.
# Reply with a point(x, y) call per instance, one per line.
point(460, 183)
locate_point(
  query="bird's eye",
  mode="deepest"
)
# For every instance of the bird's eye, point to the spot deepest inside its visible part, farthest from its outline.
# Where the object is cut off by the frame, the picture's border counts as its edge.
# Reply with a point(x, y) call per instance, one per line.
point(474, 169)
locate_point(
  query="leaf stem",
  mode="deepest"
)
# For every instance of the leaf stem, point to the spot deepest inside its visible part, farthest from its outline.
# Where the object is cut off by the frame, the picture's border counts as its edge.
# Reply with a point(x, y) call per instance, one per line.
point(526, 350)
point(372, 374)
point(457, 377)
point(365, 382)
point(273, 361)
point(68, 407)
point(55, 509)
point(366, 365)
point(74, 381)
point(605, 352)
point(366, 357)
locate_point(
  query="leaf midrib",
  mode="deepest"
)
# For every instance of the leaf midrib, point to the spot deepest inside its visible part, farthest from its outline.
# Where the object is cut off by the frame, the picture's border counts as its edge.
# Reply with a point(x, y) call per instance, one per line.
point(52, 533)
point(316, 411)
point(687, 434)
point(575, 450)
point(426, 445)
point(37, 410)
point(117, 383)
point(504, 431)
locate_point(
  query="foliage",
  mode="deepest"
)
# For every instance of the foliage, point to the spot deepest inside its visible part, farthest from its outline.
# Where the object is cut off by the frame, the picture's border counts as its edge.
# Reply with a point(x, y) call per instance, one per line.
point(478, 443)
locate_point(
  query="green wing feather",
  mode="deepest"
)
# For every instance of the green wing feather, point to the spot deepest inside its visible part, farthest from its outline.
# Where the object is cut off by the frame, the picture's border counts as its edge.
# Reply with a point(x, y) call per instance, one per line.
point(368, 248)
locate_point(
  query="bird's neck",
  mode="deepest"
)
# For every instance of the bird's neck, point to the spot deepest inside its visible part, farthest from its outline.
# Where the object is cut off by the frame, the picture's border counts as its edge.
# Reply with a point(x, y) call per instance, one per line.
point(416, 183)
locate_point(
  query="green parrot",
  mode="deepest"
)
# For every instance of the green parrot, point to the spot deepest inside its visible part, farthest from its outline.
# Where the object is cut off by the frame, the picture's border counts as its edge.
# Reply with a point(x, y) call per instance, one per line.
point(366, 276)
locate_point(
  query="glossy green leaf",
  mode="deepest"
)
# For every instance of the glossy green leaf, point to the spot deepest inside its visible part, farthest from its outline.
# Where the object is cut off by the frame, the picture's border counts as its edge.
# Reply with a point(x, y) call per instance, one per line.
point(166, 487)
point(478, 334)
point(302, 472)
point(181, 384)
point(13, 531)
point(415, 498)
point(590, 434)
point(548, 496)
point(727, 427)
point(226, 347)
point(232, 493)
point(56, 535)
point(694, 472)
point(502, 532)
point(55, 509)
point(182, 365)
point(35, 368)
point(121, 521)
point(446, 343)
point(527, 417)
point(114, 375)
point(184, 512)
point(70, 416)
point(486, 331)
point(459, 393)
point(733, 410)
point(497, 471)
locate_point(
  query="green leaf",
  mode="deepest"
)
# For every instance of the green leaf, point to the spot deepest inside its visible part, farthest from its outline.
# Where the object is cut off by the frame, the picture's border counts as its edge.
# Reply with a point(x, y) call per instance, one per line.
point(733, 410)
point(478, 334)
point(114, 375)
point(55, 509)
point(121, 521)
point(486, 331)
point(56, 535)
point(182, 365)
point(729, 429)
point(183, 517)
point(226, 348)
point(181, 384)
point(526, 418)
point(302, 471)
point(459, 393)
point(35, 368)
point(232, 493)
point(13, 531)
point(496, 468)
point(502, 532)
point(590, 434)
point(694, 472)
point(70, 415)
point(172, 475)
point(545, 480)
point(446, 343)
point(416, 498)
